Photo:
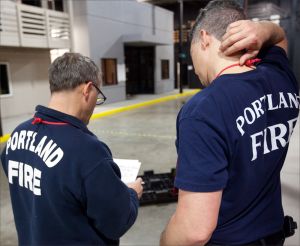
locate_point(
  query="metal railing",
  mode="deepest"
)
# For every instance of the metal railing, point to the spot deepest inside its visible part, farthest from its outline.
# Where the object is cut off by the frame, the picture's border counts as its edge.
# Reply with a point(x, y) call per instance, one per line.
point(27, 26)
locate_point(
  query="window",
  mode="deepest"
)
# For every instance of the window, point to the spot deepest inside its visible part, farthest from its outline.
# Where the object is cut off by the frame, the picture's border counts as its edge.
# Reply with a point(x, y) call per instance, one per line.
point(109, 70)
point(4, 80)
point(56, 5)
point(165, 69)
point(36, 3)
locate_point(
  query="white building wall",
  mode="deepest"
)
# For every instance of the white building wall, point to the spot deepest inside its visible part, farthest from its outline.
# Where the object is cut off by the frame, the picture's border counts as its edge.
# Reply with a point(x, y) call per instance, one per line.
point(106, 42)
point(108, 21)
point(28, 79)
point(98, 30)
point(80, 31)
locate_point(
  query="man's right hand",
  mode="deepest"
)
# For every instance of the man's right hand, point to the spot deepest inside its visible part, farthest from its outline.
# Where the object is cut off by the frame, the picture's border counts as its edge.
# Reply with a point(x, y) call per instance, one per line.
point(252, 36)
point(137, 186)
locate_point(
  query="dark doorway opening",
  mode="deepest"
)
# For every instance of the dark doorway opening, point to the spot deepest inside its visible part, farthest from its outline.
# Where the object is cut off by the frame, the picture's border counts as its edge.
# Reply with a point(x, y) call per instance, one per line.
point(139, 70)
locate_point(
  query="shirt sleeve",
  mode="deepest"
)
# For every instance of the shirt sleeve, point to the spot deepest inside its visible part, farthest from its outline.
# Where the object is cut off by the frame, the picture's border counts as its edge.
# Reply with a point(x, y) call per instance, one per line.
point(274, 55)
point(110, 204)
point(202, 159)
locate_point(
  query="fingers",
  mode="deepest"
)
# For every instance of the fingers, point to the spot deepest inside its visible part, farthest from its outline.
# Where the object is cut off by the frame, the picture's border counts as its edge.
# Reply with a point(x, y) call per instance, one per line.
point(241, 35)
point(139, 180)
point(249, 55)
point(140, 188)
point(137, 185)
point(236, 27)
point(230, 32)
point(245, 43)
point(235, 24)
point(230, 39)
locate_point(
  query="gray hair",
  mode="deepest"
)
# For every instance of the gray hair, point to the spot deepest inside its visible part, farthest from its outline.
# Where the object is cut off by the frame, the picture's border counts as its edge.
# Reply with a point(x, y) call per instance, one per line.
point(215, 18)
point(70, 70)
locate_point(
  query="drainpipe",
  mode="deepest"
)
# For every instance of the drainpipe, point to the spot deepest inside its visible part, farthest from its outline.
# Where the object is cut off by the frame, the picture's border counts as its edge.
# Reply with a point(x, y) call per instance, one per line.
point(180, 45)
point(71, 16)
point(293, 32)
point(1, 132)
point(245, 6)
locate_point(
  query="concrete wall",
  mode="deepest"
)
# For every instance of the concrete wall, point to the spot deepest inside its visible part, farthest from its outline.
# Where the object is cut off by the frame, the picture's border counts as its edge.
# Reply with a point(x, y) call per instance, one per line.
point(80, 32)
point(107, 22)
point(29, 80)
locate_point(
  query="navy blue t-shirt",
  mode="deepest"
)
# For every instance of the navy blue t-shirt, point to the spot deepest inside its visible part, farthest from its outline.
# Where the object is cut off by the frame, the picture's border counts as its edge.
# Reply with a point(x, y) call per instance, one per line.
point(65, 188)
point(233, 136)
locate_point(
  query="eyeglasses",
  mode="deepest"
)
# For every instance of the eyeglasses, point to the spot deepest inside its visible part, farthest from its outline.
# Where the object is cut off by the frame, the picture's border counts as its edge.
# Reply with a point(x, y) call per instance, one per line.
point(100, 98)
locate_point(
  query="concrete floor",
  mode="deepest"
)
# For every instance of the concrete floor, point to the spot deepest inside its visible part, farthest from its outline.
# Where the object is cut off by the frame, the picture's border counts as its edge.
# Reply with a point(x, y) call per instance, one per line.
point(148, 134)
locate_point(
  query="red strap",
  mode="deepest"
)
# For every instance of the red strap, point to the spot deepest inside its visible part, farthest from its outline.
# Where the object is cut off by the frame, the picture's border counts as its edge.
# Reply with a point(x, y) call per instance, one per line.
point(37, 120)
point(249, 63)
point(252, 62)
point(233, 65)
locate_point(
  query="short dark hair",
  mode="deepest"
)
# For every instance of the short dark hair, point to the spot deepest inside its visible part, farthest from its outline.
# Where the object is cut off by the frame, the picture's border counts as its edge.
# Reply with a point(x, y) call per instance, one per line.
point(70, 70)
point(215, 18)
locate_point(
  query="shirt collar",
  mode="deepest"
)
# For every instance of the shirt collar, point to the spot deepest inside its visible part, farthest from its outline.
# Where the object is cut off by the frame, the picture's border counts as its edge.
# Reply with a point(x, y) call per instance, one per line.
point(57, 116)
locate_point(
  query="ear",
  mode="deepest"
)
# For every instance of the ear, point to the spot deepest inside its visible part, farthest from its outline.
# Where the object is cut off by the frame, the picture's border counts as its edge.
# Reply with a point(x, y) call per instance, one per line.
point(87, 87)
point(205, 39)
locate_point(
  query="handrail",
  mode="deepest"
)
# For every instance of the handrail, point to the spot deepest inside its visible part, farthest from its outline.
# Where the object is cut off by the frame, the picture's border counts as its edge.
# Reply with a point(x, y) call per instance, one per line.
point(29, 26)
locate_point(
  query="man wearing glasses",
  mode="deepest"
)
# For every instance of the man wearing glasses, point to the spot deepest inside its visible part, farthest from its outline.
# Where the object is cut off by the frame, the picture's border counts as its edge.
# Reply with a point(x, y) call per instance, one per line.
point(65, 188)
point(101, 97)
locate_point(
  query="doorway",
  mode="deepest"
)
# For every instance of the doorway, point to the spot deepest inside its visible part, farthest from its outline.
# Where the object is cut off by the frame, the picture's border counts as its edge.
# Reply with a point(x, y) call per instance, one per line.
point(139, 63)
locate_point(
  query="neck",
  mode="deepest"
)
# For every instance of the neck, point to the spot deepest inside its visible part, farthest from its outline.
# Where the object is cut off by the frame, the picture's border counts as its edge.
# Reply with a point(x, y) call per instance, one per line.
point(66, 102)
point(222, 61)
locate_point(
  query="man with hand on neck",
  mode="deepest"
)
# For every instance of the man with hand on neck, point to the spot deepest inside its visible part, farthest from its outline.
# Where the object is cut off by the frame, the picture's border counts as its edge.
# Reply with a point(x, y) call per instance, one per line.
point(65, 187)
point(232, 137)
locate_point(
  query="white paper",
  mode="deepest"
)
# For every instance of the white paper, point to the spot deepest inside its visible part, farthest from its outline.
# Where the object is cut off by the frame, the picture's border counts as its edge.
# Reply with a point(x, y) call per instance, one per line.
point(129, 169)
